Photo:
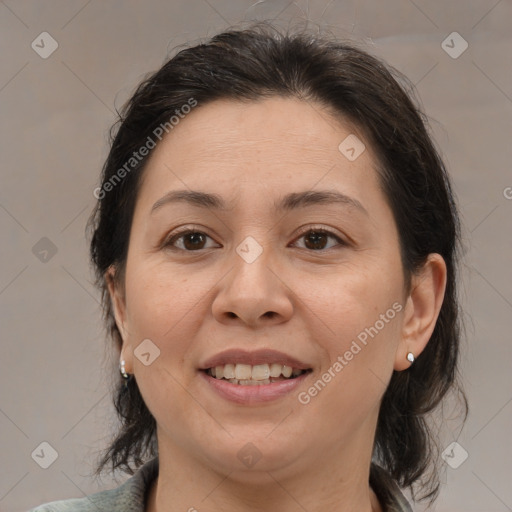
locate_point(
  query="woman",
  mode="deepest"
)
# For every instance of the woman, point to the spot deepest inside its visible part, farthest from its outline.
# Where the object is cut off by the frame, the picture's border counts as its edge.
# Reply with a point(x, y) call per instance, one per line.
point(275, 240)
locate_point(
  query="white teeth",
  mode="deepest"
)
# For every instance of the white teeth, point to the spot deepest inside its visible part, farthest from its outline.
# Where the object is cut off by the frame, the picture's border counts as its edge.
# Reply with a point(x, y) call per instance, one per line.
point(229, 371)
point(275, 369)
point(287, 371)
point(243, 371)
point(260, 372)
point(251, 382)
point(246, 374)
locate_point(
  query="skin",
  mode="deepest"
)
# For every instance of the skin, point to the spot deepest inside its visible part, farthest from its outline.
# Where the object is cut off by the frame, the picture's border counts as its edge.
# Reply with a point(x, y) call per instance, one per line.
point(309, 303)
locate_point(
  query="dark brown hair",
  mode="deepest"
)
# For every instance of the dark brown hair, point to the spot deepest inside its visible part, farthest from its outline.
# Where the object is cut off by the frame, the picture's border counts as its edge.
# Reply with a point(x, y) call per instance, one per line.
point(247, 65)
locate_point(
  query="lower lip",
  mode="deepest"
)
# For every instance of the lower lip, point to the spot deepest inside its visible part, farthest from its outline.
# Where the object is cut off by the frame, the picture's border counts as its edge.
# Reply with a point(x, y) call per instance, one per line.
point(253, 394)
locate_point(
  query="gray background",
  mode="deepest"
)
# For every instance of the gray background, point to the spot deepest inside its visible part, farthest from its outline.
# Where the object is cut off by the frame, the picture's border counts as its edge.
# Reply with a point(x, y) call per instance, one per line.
point(55, 113)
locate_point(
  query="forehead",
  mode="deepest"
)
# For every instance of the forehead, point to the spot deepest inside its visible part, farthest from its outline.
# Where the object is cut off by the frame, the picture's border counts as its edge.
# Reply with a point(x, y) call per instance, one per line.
point(262, 145)
point(254, 126)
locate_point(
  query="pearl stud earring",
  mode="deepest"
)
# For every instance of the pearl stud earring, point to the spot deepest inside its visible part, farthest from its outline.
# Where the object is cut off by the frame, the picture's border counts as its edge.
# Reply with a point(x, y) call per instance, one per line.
point(122, 369)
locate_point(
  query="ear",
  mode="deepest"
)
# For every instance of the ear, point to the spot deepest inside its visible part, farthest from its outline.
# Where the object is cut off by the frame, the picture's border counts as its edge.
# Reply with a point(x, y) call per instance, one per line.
point(117, 297)
point(421, 309)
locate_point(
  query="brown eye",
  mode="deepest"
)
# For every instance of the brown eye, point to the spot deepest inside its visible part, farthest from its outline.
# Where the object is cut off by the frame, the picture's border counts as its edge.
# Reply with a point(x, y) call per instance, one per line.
point(314, 239)
point(317, 239)
point(188, 241)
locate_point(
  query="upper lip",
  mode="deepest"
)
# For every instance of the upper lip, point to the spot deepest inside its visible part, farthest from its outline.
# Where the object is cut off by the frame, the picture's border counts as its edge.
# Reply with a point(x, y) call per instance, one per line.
point(262, 356)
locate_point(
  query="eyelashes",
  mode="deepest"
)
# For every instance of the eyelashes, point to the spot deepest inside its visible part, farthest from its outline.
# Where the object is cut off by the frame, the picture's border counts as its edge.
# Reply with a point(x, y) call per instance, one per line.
point(182, 234)
point(193, 240)
point(324, 235)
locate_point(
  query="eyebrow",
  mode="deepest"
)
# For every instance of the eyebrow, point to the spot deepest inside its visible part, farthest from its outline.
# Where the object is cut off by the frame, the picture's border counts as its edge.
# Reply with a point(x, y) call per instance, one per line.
point(291, 201)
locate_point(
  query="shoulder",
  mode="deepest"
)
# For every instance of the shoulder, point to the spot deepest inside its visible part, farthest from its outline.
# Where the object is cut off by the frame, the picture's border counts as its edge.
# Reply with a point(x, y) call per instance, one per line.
point(128, 497)
point(74, 505)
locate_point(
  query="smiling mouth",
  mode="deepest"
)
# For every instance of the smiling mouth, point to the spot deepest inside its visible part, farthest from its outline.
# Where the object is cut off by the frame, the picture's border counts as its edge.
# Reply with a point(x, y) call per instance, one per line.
point(254, 375)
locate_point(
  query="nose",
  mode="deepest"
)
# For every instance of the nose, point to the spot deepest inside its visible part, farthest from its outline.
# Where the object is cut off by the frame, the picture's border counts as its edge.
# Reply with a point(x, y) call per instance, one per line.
point(253, 294)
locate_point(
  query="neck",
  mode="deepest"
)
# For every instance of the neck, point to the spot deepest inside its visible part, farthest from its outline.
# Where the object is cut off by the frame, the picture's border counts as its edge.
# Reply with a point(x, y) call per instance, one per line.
point(335, 483)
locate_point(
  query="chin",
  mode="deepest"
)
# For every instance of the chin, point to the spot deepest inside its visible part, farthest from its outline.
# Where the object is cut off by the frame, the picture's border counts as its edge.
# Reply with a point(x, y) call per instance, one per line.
point(249, 456)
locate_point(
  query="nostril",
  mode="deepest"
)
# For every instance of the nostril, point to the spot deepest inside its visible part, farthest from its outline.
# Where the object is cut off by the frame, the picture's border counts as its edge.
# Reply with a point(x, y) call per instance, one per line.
point(268, 314)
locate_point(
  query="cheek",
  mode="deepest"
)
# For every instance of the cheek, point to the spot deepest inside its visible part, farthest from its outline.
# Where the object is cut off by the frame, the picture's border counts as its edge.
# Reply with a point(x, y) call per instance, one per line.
point(164, 307)
point(158, 300)
point(363, 315)
point(353, 300)
point(349, 387)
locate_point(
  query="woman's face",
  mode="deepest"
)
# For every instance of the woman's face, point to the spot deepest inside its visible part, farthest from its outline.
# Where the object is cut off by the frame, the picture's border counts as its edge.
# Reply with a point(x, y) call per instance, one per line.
point(258, 284)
